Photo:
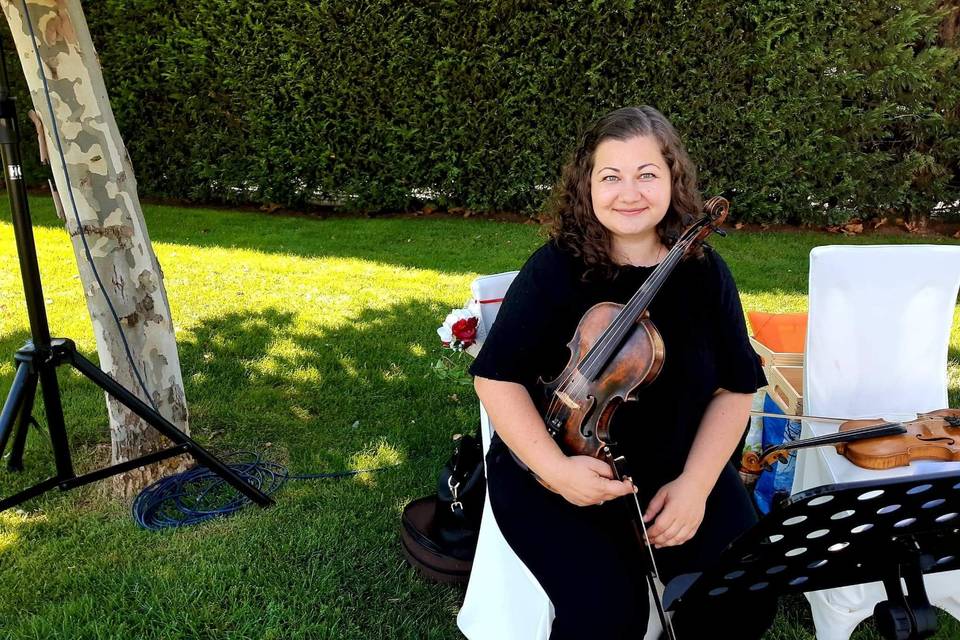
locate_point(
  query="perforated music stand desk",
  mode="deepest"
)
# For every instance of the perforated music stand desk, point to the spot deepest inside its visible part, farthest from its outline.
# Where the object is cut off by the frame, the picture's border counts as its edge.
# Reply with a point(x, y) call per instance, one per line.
point(844, 534)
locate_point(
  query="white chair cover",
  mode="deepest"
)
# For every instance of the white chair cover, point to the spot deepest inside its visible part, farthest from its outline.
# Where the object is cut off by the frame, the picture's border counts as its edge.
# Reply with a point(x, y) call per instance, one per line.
point(504, 601)
point(877, 335)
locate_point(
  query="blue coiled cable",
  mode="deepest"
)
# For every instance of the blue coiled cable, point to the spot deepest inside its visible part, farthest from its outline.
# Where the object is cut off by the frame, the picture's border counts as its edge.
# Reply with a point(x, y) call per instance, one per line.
point(198, 494)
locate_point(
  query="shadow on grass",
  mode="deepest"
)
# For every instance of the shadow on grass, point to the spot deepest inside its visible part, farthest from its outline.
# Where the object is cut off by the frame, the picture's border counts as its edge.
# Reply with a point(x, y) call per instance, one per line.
point(309, 398)
point(319, 392)
point(317, 398)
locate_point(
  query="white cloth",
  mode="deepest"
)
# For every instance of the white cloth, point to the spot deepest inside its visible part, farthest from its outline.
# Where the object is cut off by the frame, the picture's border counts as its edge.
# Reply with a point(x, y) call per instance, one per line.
point(878, 328)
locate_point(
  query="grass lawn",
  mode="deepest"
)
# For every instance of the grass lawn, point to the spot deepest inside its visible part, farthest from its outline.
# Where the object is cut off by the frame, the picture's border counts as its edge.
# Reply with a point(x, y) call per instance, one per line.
point(310, 341)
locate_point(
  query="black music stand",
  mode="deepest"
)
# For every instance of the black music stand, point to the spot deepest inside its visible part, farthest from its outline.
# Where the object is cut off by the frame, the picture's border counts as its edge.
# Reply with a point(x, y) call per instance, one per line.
point(845, 534)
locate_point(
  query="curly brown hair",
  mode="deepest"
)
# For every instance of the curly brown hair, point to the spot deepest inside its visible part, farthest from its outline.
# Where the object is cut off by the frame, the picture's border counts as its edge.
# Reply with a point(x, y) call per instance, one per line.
point(575, 226)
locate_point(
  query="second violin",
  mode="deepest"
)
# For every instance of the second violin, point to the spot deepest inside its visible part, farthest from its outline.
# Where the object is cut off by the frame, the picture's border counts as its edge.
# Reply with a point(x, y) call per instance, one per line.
point(877, 444)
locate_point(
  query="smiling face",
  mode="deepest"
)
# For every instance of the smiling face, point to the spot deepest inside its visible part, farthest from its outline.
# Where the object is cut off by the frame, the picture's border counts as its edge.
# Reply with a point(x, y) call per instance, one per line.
point(630, 187)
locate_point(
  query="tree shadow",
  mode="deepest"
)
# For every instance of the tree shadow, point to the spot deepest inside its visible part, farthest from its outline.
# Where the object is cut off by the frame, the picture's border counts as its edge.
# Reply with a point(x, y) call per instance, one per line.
point(315, 398)
point(311, 396)
point(363, 393)
point(325, 391)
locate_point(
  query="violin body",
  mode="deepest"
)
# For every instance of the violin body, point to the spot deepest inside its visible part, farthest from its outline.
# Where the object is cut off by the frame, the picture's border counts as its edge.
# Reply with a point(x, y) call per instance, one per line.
point(929, 437)
point(578, 411)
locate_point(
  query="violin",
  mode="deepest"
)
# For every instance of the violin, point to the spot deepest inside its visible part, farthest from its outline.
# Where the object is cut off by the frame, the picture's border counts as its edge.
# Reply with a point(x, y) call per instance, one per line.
point(875, 444)
point(615, 350)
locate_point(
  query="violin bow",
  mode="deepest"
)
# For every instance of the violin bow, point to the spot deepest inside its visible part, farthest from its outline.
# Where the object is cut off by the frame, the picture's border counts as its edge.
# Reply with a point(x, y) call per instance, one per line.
point(764, 414)
point(640, 529)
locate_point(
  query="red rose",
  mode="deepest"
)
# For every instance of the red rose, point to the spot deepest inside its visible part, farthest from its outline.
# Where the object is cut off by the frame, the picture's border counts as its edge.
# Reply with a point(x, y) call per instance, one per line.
point(465, 330)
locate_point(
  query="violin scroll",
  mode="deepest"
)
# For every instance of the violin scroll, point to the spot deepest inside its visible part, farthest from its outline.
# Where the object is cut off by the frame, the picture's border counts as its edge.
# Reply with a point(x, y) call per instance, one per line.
point(753, 463)
point(716, 209)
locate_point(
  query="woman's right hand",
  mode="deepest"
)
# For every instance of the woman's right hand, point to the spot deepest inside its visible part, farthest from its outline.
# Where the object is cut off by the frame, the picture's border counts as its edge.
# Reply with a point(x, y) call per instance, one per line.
point(585, 481)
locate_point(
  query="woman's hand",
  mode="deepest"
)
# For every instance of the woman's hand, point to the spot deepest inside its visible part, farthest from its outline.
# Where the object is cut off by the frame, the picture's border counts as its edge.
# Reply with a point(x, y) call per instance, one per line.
point(583, 481)
point(678, 509)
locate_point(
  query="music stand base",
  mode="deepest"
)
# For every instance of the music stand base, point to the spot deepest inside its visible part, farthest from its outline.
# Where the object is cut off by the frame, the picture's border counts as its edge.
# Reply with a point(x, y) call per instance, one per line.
point(907, 615)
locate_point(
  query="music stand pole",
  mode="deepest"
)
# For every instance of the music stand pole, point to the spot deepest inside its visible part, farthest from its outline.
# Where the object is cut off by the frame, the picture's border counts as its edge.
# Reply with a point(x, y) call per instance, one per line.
point(38, 360)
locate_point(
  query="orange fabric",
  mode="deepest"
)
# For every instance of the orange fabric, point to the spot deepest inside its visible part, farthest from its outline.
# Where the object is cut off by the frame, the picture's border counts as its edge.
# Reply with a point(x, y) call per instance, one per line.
point(781, 332)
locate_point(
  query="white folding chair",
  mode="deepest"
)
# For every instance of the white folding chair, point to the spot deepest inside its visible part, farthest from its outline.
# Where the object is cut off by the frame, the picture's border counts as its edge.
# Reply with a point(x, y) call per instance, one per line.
point(878, 327)
point(504, 601)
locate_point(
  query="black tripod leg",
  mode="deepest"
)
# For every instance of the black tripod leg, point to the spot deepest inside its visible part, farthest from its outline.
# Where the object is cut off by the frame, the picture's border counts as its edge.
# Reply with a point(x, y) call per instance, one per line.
point(167, 428)
point(11, 408)
point(32, 492)
point(24, 414)
point(55, 424)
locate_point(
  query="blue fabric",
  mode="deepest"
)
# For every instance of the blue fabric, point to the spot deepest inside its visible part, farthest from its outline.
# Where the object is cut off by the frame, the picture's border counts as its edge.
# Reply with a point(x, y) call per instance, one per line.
point(774, 484)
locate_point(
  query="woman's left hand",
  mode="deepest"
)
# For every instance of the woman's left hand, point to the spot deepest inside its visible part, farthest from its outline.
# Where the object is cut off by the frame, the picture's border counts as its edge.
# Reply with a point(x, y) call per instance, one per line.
point(678, 511)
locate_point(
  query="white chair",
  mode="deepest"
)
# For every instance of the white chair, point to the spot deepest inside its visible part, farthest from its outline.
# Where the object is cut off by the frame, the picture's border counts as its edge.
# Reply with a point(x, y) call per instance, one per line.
point(504, 601)
point(877, 335)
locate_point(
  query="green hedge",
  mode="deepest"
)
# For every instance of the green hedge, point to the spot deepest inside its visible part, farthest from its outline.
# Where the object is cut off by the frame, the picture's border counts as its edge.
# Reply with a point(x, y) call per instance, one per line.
point(809, 111)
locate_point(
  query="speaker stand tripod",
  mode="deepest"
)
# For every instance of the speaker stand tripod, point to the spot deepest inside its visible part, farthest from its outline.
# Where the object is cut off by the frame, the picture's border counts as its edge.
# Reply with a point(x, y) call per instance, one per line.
point(38, 360)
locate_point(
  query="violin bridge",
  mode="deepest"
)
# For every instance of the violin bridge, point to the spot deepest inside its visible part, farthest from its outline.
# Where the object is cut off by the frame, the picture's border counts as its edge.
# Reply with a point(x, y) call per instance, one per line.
point(567, 400)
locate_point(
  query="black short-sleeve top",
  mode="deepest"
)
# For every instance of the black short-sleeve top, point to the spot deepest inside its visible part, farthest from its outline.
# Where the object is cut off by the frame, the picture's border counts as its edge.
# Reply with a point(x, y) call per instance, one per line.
point(697, 312)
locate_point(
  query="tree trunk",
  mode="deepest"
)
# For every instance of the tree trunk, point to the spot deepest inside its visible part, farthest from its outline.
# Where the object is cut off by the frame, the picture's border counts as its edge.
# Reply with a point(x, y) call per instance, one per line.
point(950, 27)
point(99, 180)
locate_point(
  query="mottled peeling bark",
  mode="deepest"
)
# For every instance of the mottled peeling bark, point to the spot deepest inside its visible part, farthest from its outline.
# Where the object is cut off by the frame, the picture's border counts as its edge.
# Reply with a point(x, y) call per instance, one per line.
point(100, 179)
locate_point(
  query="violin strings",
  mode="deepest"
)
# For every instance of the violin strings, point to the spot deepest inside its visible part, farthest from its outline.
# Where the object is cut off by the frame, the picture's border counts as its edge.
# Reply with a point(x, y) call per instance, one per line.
point(863, 431)
point(603, 349)
point(600, 353)
point(577, 380)
point(832, 438)
point(604, 346)
point(630, 311)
